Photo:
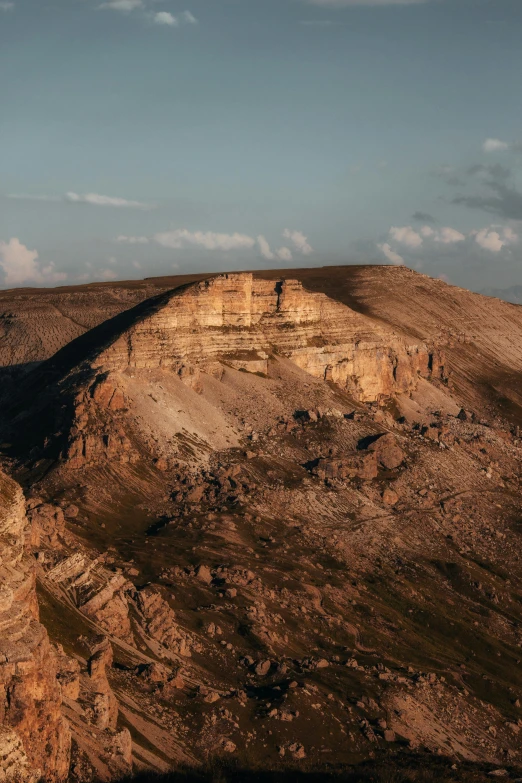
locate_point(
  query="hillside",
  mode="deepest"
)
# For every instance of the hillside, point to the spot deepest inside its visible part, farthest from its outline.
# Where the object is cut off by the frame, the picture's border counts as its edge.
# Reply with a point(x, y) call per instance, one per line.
point(275, 519)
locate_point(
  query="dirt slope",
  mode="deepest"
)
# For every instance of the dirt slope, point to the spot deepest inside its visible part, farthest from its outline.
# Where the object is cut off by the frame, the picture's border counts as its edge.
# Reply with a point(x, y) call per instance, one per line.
point(290, 559)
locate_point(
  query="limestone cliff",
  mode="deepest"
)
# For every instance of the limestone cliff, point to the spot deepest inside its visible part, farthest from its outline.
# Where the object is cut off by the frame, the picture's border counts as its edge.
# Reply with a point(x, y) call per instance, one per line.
point(241, 320)
point(34, 737)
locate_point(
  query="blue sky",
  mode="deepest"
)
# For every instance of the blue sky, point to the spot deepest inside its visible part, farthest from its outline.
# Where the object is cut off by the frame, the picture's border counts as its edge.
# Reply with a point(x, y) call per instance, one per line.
point(142, 137)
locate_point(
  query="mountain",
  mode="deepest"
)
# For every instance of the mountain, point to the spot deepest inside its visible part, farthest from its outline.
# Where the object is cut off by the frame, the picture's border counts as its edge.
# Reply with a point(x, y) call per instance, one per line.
point(272, 519)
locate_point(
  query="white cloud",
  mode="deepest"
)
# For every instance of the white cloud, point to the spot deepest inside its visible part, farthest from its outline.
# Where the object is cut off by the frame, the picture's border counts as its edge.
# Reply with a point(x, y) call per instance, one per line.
point(189, 18)
point(165, 18)
point(495, 145)
point(124, 240)
point(284, 254)
point(264, 248)
point(495, 238)
point(20, 266)
point(122, 5)
point(104, 201)
point(299, 241)
point(390, 254)
point(208, 240)
point(449, 235)
point(489, 240)
point(406, 235)
point(5, 6)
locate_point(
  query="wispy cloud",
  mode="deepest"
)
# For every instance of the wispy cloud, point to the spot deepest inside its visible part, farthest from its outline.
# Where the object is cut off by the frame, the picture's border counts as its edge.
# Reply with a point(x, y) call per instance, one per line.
point(5, 6)
point(410, 238)
point(495, 145)
point(188, 18)
point(122, 5)
point(125, 240)
point(96, 199)
point(390, 254)
point(161, 18)
point(209, 240)
point(169, 20)
point(283, 254)
point(299, 241)
point(165, 18)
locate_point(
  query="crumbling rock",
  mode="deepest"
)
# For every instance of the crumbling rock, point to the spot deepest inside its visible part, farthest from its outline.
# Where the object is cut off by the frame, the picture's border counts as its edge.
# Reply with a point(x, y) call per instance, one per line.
point(160, 623)
point(35, 736)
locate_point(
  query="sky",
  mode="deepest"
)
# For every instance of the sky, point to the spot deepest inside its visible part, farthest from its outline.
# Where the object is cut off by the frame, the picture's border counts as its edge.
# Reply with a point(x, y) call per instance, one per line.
point(149, 137)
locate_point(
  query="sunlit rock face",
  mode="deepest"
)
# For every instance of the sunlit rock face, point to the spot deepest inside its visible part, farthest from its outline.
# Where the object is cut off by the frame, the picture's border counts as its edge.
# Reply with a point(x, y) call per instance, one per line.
point(239, 320)
point(34, 737)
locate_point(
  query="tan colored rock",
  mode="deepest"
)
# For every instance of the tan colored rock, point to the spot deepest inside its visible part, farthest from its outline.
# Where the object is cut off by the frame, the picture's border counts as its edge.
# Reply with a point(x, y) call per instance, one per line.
point(33, 733)
point(110, 607)
point(120, 746)
point(48, 524)
point(15, 767)
point(388, 452)
point(357, 465)
point(262, 668)
point(204, 574)
point(390, 497)
point(160, 622)
point(104, 703)
point(239, 319)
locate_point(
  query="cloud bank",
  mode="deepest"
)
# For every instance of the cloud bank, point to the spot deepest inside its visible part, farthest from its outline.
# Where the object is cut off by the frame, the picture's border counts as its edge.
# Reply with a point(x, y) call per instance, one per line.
point(492, 239)
point(20, 266)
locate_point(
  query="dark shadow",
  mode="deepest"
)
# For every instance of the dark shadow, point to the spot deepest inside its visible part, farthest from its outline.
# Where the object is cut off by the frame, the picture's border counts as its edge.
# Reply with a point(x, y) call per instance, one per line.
point(387, 767)
point(367, 441)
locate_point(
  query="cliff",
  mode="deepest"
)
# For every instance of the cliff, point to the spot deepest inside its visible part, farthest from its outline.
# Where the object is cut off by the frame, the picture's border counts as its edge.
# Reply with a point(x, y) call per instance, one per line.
point(34, 737)
point(241, 320)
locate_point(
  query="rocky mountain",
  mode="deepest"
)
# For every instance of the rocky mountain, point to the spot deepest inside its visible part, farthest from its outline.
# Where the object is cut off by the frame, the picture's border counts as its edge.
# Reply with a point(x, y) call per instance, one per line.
point(271, 518)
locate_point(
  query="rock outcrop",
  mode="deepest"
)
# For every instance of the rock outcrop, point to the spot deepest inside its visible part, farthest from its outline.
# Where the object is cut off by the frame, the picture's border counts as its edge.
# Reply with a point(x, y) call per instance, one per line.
point(240, 320)
point(34, 737)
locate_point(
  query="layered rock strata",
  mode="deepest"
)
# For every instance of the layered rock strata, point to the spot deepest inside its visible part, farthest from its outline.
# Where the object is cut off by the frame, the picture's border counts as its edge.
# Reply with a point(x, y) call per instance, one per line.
point(34, 737)
point(240, 320)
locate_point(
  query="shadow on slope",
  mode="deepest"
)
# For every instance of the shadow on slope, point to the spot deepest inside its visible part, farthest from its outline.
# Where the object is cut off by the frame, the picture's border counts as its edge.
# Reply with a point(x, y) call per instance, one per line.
point(411, 768)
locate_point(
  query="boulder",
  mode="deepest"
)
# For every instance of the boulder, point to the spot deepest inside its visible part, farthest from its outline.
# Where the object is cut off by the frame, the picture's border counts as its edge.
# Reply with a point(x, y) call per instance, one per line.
point(387, 451)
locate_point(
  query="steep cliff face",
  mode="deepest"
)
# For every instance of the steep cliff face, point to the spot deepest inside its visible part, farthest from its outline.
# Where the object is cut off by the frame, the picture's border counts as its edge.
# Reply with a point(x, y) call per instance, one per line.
point(241, 320)
point(34, 738)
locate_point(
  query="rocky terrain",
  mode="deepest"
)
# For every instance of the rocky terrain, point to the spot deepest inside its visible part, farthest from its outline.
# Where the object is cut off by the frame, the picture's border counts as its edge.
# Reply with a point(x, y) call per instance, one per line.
point(271, 520)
